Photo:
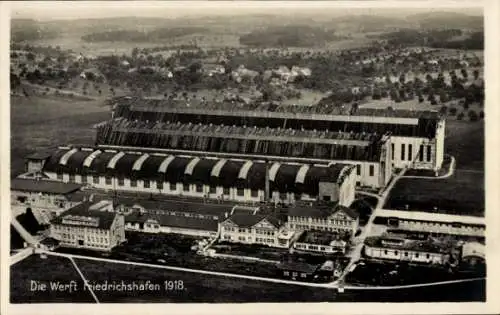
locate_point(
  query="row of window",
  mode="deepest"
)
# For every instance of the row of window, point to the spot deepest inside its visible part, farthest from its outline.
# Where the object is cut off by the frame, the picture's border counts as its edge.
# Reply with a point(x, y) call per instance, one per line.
point(74, 229)
point(243, 230)
point(445, 225)
point(321, 221)
point(406, 254)
point(318, 228)
point(409, 156)
point(371, 170)
point(294, 274)
point(310, 247)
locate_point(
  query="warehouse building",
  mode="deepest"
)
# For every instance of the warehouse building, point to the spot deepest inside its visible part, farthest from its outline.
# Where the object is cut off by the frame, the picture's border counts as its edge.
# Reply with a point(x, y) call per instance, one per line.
point(400, 249)
point(417, 137)
point(369, 152)
point(202, 177)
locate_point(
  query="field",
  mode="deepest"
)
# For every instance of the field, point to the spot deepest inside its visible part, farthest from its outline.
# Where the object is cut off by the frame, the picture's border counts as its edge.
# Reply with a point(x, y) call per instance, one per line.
point(43, 122)
point(52, 269)
point(203, 288)
point(462, 193)
point(464, 141)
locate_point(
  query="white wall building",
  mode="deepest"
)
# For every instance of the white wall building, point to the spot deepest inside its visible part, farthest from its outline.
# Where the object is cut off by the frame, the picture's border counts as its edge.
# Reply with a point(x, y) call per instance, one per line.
point(89, 228)
point(212, 178)
point(399, 249)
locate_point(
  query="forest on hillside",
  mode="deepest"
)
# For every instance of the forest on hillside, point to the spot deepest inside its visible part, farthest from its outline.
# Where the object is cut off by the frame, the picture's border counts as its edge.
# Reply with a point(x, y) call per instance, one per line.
point(143, 36)
point(289, 36)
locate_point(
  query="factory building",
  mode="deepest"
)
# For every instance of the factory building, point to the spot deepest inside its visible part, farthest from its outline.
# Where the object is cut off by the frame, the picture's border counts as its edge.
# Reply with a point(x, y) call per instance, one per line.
point(89, 226)
point(202, 177)
point(417, 137)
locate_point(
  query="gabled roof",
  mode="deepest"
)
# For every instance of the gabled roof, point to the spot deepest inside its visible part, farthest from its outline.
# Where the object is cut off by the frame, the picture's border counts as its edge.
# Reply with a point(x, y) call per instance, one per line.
point(249, 220)
point(104, 218)
point(319, 211)
point(43, 186)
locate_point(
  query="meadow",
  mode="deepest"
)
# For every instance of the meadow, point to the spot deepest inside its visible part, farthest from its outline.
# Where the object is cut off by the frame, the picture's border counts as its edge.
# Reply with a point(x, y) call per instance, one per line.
point(40, 123)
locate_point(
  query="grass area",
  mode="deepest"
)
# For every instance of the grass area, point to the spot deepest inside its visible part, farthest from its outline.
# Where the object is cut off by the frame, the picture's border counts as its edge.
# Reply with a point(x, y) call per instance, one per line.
point(462, 193)
point(250, 250)
point(204, 288)
point(52, 269)
point(389, 273)
point(40, 123)
point(197, 287)
point(465, 141)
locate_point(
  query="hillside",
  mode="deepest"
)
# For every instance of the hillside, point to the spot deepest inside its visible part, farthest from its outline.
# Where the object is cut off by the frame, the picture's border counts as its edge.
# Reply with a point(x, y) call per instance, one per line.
point(289, 36)
point(143, 36)
point(447, 20)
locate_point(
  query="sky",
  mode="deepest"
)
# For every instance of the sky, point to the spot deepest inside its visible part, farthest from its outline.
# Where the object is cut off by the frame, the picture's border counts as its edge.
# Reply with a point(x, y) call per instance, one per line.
point(48, 10)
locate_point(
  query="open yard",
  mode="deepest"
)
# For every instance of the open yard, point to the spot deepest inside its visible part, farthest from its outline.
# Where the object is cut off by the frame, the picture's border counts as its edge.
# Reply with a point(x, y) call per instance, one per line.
point(465, 141)
point(44, 271)
point(41, 123)
point(462, 193)
point(203, 288)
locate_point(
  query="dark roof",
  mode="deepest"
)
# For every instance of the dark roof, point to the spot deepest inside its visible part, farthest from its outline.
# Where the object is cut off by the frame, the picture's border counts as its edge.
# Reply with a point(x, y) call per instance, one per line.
point(100, 164)
point(125, 164)
point(318, 237)
point(39, 156)
point(256, 177)
point(176, 168)
point(52, 164)
point(149, 169)
point(285, 178)
point(202, 170)
point(229, 173)
point(178, 206)
point(75, 162)
point(298, 267)
point(249, 220)
point(176, 221)
point(318, 211)
point(105, 218)
point(428, 246)
point(43, 186)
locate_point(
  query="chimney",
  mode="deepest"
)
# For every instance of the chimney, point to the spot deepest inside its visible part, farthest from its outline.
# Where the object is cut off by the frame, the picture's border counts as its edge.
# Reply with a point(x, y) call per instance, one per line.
point(267, 188)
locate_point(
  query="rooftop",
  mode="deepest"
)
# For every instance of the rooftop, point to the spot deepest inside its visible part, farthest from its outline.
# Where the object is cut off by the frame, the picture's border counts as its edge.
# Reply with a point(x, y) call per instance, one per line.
point(246, 133)
point(318, 237)
point(319, 210)
point(250, 219)
point(80, 215)
point(205, 170)
point(193, 105)
point(426, 246)
point(174, 221)
point(431, 217)
point(43, 186)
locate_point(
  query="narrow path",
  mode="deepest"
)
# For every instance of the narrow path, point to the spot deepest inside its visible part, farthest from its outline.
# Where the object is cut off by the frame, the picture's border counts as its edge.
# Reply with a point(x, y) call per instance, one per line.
point(356, 253)
point(331, 285)
point(84, 279)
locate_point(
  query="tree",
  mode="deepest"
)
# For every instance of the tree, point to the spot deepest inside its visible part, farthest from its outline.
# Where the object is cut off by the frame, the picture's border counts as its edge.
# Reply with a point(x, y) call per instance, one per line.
point(452, 111)
point(473, 115)
point(476, 74)
point(465, 75)
point(15, 82)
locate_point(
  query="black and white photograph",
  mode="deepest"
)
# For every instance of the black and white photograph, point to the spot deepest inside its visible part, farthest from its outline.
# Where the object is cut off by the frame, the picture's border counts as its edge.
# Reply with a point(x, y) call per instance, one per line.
point(247, 152)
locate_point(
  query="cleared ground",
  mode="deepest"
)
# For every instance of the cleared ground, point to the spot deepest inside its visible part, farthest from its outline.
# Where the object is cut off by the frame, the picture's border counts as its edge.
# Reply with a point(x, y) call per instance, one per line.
point(44, 271)
point(43, 122)
point(203, 288)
